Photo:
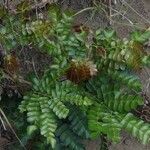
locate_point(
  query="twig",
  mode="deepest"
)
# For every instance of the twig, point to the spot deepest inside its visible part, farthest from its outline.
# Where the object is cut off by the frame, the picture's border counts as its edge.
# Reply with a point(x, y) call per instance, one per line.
point(92, 8)
point(36, 9)
point(118, 13)
point(3, 114)
point(8, 75)
point(42, 4)
point(146, 20)
point(148, 81)
point(83, 10)
point(124, 24)
point(110, 11)
point(33, 64)
point(3, 124)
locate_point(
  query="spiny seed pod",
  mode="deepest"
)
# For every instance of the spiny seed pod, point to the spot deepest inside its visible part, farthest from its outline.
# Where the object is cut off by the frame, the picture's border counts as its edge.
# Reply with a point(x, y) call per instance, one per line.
point(79, 28)
point(137, 52)
point(81, 70)
point(11, 63)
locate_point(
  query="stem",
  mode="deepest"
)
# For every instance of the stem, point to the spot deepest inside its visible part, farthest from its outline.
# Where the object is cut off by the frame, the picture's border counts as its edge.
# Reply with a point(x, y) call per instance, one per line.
point(136, 11)
point(110, 11)
point(83, 10)
point(3, 114)
point(118, 13)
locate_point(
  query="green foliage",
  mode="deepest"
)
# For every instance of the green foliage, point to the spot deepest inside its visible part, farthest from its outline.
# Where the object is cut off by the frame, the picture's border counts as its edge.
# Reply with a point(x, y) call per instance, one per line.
point(141, 36)
point(117, 54)
point(113, 105)
point(103, 121)
point(137, 127)
point(123, 103)
point(47, 103)
point(131, 81)
point(41, 116)
point(78, 122)
point(66, 113)
point(108, 122)
point(68, 138)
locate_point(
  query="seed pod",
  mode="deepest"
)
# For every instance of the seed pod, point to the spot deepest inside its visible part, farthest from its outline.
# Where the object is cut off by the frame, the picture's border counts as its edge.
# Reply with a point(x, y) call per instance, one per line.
point(81, 71)
point(11, 63)
point(79, 28)
point(137, 52)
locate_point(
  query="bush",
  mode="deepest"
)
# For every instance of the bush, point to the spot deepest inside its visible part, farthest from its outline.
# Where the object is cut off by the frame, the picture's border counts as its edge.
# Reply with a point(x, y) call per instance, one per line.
point(90, 89)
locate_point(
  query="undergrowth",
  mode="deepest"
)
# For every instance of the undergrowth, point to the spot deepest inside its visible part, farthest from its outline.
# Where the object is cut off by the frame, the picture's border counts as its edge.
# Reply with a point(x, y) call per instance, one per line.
point(90, 89)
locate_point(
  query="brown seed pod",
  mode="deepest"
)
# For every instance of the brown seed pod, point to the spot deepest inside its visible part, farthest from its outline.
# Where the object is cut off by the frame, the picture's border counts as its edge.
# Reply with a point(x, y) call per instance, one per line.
point(11, 63)
point(80, 27)
point(137, 52)
point(81, 71)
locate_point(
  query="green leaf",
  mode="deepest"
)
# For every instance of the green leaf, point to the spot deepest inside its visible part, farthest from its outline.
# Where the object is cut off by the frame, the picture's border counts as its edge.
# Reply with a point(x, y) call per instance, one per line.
point(31, 129)
point(109, 33)
point(58, 108)
point(137, 127)
point(141, 37)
